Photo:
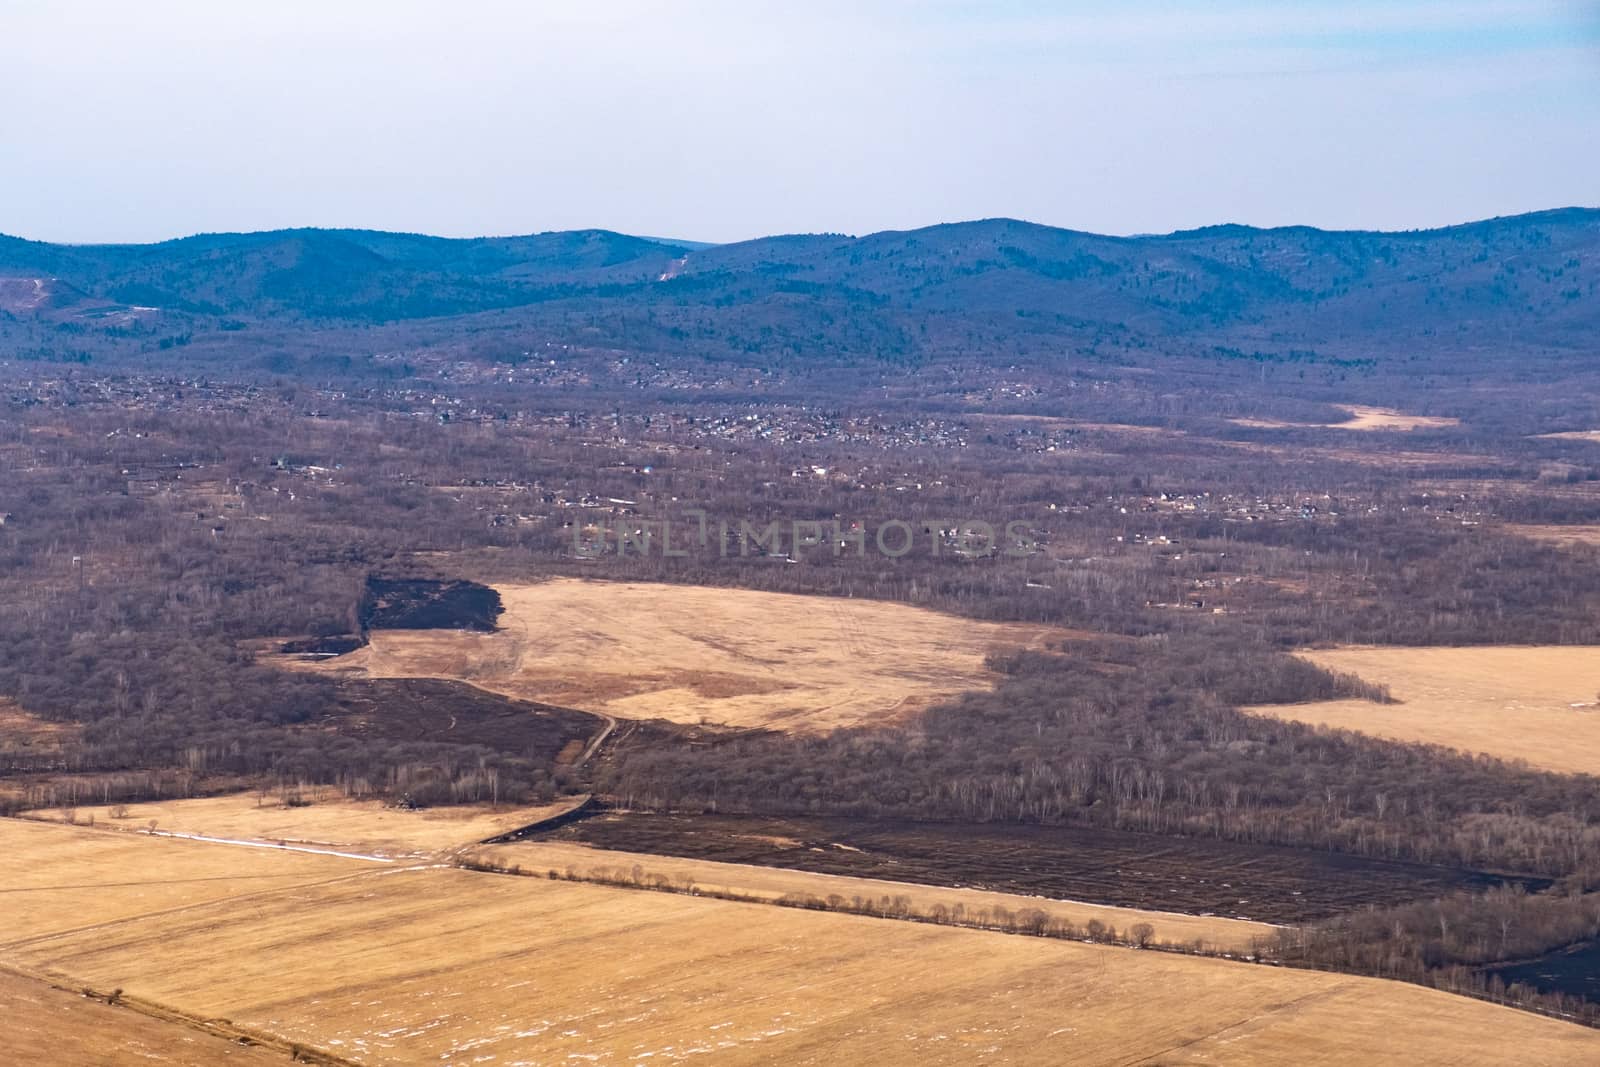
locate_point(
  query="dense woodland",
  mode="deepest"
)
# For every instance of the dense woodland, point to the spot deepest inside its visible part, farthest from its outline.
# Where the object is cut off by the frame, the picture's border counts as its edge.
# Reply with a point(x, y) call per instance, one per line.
point(185, 494)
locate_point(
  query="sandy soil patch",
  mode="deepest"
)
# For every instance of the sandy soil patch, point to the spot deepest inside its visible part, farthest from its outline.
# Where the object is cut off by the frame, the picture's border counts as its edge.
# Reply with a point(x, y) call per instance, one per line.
point(444, 966)
point(44, 1025)
point(1369, 418)
point(1520, 703)
point(1572, 435)
point(1361, 418)
point(539, 857)
point(694, 654)
point(329, 821)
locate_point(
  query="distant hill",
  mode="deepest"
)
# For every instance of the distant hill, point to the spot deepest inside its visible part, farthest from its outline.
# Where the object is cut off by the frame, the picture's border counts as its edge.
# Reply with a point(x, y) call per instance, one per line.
point(341, 274)
point(995, 286)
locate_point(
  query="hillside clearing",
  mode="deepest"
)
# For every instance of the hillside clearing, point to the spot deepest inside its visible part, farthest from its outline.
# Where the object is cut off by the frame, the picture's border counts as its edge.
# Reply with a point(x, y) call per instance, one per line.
point(1533, 703)
point(22, 732)
point(694, 654)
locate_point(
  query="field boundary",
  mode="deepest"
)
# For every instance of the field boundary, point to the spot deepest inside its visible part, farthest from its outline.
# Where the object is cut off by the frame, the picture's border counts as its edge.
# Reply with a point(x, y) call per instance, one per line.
point(1032, 922)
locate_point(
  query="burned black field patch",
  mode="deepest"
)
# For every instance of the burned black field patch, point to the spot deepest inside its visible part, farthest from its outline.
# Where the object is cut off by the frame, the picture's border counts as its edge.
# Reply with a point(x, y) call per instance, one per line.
point(1188, 875)
point(427, 710)
point(421, 604)
point(1573, 971)
point(337, 645)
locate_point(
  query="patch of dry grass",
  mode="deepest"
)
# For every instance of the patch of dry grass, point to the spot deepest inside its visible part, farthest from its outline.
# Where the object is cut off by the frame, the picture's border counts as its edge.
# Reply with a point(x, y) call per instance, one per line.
point(1518, 702)
point(694, 654)
point(1558, 535)
point(1361, 417)
point(328, 821)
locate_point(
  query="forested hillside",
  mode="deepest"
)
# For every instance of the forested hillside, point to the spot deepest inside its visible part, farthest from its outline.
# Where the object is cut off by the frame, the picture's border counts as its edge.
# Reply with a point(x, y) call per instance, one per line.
point(1484, 292)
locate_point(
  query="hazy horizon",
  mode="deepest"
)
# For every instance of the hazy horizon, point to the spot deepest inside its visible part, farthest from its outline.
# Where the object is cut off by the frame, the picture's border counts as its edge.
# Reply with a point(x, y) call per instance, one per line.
point(735, 120)
point(692, 240)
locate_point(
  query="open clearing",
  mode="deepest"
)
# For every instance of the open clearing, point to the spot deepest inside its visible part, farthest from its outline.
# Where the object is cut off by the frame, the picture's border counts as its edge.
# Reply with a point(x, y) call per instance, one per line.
point(415, 966)
point(27, 742)
point(44, 1025)
point(328, 821)
point(692, 654)
point(771, 883)
point(1361, 418)
point(1528, 703)
point(22, 732)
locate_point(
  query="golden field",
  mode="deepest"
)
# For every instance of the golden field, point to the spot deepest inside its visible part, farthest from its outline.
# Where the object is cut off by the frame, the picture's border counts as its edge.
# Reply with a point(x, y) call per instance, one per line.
point(1531, 703)
point(411, 965)
point(59, 878)
point(328, 821)
point(695, 654)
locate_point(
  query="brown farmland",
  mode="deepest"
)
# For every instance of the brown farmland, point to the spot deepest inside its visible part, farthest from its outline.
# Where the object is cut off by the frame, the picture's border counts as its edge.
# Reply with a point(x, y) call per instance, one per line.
point(410, 966)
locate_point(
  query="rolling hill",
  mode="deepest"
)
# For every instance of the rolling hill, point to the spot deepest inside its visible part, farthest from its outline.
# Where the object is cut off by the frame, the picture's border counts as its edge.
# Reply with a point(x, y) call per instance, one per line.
point(1528, 283)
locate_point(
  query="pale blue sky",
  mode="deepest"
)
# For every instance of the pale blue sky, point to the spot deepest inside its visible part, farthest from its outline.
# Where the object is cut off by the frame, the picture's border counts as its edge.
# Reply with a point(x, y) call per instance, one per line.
point(726, 119)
